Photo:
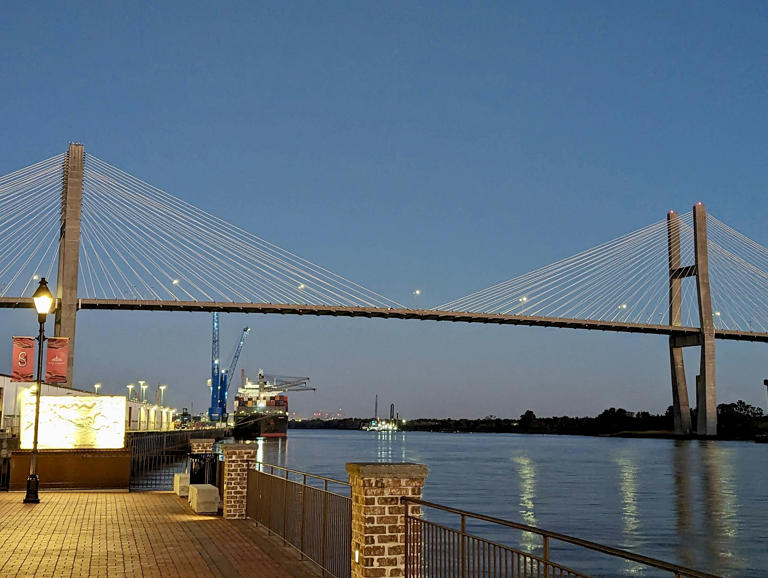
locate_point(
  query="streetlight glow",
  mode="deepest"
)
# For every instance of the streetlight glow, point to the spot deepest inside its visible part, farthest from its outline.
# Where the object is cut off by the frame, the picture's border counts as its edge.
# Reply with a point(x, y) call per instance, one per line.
point(96, 387)
point(43, 298)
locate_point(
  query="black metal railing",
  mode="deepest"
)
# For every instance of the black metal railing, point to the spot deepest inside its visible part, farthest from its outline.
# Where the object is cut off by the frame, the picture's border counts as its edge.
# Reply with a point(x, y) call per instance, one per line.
point(436, 550)
point(157, 456)
point(302, 510)
point(5, 474)
point(203, 468)
point(154, 472)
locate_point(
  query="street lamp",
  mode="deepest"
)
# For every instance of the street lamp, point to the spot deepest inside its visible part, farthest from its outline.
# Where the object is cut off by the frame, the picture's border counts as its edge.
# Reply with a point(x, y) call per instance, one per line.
point(96, 387)
point(43, 302)
point(143, 385)
point(162, 394)
point(130, 387)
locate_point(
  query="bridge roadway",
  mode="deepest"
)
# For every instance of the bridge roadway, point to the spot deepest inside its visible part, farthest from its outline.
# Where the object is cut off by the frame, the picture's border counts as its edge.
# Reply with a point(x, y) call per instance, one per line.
point(685, 335)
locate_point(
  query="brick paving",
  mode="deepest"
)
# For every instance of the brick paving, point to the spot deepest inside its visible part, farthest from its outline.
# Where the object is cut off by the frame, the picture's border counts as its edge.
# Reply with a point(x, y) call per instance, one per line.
point(132, 534)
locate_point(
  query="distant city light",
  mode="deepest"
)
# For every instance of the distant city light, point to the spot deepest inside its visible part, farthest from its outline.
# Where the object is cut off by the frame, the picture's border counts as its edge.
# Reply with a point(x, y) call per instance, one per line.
point(175, 281)
point(417, 292)
point(302, 286)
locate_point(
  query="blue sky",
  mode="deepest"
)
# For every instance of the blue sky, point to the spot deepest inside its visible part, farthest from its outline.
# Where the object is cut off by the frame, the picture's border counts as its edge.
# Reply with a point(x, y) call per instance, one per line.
point(443, 146)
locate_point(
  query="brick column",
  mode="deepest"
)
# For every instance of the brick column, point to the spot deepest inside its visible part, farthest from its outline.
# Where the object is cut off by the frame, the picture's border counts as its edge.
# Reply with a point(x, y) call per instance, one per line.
point(378, 517)
point(237, 460)
point(201, 445)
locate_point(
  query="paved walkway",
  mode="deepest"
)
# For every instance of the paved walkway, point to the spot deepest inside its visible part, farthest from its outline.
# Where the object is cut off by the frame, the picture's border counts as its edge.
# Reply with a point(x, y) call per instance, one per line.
point(132, 534)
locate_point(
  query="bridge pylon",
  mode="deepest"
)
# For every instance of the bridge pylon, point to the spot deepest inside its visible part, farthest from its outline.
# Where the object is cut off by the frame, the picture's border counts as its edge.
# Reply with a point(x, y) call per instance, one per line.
point(706, 399)
point(69, 250)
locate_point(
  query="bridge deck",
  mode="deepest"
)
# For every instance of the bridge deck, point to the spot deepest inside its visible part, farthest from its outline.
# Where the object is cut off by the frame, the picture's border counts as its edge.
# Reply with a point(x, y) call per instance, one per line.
point(390, 313)
point(133, 535)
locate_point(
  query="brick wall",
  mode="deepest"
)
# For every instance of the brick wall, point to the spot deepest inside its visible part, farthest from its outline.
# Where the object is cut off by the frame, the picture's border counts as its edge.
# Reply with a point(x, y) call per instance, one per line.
point(238, 458)
point(378, 517)
point(201, 445)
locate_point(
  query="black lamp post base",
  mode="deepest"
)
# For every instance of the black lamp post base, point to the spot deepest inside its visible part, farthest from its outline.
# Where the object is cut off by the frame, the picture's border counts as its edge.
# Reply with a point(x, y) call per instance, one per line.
point(32, 485)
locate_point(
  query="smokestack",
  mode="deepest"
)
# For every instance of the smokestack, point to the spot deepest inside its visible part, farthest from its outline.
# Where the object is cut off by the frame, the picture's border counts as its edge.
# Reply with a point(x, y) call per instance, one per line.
point(376, 407)
point(391, 411)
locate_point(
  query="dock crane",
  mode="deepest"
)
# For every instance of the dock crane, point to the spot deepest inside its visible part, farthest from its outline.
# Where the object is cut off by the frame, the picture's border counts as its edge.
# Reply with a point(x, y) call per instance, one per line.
point(220, 377)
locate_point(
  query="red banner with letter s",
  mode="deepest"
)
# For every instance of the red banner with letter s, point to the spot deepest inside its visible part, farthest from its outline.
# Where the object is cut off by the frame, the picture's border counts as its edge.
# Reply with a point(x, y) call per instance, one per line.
point(23, 358)
point(56, 360)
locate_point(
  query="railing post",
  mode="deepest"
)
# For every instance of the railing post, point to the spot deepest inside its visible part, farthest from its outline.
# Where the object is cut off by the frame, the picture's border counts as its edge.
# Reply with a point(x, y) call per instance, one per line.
point(463, 546)
point(285, 505)
point(303, 513)
point(323, 541)
point(379, 516)
point(545, 554)
point(407, 541)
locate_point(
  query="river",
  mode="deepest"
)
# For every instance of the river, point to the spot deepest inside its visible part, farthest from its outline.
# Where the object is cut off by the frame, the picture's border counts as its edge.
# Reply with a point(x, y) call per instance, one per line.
point(701, 504)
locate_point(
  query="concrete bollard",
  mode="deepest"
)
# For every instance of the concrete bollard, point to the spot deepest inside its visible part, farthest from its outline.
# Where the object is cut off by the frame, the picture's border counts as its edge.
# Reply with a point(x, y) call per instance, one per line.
point(237, 461)
point(378, 516)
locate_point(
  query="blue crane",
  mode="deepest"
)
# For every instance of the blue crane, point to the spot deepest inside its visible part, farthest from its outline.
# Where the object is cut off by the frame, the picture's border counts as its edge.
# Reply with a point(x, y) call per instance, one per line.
point(219, 377)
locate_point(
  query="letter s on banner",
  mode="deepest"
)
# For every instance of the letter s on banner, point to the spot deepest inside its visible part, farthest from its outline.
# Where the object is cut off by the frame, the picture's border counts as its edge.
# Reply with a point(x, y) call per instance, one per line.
point(23, 359)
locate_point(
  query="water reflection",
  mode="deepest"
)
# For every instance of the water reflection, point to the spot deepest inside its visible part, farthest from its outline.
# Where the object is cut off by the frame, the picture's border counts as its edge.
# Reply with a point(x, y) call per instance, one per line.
point(682, 474)
point(720, 507)
point(629, 510)
point(526, 471)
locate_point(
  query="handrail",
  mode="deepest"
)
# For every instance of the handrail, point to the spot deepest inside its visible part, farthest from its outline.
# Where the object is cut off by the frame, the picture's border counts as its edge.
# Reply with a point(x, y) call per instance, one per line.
point(653, 562)
point(300, 473)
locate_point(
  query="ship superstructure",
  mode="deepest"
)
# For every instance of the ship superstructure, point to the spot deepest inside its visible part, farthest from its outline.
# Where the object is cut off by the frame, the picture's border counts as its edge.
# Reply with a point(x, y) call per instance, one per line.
point(261, 408)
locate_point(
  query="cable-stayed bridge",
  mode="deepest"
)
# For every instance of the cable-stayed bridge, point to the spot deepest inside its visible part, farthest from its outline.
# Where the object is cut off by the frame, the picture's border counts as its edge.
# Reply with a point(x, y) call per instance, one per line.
point(108, 240)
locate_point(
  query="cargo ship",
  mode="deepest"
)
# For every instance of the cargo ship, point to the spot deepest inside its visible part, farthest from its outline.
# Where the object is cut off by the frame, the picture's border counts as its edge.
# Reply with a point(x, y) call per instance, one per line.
point(261, 408)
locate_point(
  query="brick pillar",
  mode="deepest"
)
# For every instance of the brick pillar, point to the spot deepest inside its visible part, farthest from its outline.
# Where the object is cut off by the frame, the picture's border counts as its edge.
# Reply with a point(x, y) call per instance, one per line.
point(237, 460)
point(378, 517)
point(201, 445)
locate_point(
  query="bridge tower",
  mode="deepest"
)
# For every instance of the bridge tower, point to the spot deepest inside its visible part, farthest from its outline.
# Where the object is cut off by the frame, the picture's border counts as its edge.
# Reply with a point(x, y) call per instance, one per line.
point(706, 400)
point(69, 250)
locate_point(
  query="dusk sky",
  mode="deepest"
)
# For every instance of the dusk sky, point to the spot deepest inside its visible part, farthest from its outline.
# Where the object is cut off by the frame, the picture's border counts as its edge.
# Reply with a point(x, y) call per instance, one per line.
point(442, 146)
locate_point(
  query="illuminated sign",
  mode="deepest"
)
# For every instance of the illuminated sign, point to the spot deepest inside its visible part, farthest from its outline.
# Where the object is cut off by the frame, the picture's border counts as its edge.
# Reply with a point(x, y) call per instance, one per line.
point(74, 422)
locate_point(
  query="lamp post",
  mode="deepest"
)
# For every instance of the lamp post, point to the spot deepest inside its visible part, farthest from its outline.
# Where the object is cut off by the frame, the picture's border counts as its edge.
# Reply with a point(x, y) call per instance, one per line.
point(143, 385)
point(130, 387)
point(162, 394)
point(96, 387)
point(43, 302)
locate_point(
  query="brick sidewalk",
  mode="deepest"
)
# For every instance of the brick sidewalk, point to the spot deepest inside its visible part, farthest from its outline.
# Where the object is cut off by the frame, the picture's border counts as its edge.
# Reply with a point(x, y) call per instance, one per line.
point(131, 534)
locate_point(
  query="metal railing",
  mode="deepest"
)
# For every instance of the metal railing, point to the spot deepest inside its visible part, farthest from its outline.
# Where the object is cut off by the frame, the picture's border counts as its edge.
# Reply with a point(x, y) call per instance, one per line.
point(302, 510)
point(437, 550)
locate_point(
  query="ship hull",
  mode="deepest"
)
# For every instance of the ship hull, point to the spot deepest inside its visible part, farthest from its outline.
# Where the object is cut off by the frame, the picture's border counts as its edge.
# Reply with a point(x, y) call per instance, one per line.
point(255, 425)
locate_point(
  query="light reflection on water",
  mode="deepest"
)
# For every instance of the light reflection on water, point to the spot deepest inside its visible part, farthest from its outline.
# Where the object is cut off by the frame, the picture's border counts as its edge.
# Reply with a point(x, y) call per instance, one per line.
point(697, 503)
point(526, 472)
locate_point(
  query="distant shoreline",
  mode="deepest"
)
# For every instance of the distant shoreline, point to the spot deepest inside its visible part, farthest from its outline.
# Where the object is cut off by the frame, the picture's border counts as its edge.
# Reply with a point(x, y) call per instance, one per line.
point(736, 421)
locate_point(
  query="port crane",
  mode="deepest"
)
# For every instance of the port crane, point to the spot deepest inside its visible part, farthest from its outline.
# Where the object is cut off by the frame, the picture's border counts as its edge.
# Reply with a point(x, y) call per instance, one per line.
point(220, 377)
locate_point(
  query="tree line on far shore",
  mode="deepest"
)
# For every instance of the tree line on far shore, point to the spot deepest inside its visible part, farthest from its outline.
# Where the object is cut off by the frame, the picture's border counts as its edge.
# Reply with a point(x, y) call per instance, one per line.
point(738, 420)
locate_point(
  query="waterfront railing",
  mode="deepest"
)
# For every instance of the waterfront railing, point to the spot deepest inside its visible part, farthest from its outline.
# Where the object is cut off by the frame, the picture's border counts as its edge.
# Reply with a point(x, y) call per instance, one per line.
point(311, 513)
point(448, 549)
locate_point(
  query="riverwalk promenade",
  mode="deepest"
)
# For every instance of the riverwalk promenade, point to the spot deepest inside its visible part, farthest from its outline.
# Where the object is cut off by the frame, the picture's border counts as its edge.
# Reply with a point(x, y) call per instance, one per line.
point(142, 534)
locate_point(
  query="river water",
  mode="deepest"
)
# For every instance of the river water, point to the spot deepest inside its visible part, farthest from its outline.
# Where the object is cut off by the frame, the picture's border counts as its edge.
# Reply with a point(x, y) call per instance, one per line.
point(701, 504)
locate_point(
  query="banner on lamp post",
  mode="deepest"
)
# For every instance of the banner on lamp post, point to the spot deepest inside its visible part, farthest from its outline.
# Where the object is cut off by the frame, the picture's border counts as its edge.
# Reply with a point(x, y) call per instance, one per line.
point(23, 359)
point(56, 360)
